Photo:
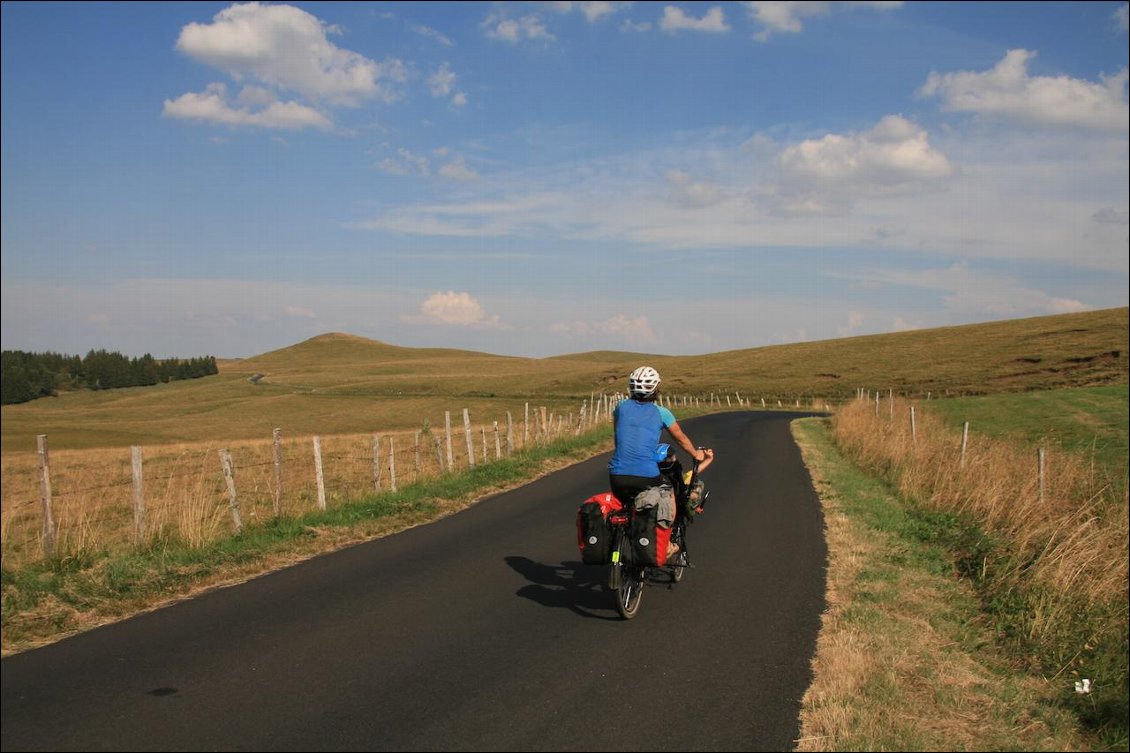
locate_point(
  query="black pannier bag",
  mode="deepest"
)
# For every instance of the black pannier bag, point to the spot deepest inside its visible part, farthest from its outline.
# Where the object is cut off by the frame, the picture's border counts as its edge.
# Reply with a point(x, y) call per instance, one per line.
point(594, 534)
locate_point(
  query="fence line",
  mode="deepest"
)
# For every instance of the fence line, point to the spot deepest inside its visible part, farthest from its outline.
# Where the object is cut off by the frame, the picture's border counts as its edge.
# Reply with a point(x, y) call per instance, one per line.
point(78, 505)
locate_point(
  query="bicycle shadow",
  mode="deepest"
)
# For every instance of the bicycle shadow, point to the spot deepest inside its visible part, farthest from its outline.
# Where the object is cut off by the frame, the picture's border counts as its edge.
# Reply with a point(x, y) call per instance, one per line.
point(574, 586)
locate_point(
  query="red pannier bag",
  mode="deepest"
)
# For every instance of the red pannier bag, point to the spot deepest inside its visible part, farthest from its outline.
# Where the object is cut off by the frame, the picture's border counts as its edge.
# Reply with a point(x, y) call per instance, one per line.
point(594, 534)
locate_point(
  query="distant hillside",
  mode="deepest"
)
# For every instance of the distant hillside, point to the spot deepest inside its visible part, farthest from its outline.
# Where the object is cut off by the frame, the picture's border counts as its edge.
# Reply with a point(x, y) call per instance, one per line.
point(340, 383)
point(1071, 350)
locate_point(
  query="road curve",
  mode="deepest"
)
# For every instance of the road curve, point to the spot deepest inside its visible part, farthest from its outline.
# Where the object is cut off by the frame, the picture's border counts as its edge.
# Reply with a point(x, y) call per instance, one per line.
point(482, 631)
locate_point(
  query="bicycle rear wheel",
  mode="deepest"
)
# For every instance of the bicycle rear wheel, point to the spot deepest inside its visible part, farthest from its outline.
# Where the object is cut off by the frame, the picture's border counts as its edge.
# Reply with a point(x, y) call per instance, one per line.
point(630, 592)
point(627, 581)
point(679, 566)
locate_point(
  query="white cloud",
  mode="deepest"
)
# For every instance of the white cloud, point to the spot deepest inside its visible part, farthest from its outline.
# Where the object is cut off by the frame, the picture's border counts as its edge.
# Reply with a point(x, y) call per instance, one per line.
point(829, 173)
point(455, 309)
point(1008, 92)
point(287, 48)
point(300, 312)
point(442, 84)
point(788, 16)
point(675, 20)
point(1120, 20)
point(214, 106)
point(458, 170)
point(500, 26)
point(442, 81)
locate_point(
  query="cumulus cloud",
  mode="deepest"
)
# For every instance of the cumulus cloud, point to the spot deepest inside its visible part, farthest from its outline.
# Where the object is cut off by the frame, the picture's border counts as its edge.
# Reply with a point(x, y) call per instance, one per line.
point(498, 25)
point(788, 16)
point(1120, 18)
point(824, 174)
point(453, 309)
point(280, 48)
point(1009, 92)
point(213, 105)
point(675, 20)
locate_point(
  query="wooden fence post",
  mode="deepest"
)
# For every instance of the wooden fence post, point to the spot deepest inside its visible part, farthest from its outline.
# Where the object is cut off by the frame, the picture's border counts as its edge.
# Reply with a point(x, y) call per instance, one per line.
point(229, 479)
point(964, 443)
point(913, 426)
point(526, 428)
point(45, 496)
point(391, 464)
point(483, 429)
point(416, 454)
point(467, 434)
point(318, 473)
point(377, 464)
point(278, 471)
point(439, 456)
point(138, 496)
point(497, 443)
point(509, 434)
point(447, 427)
point(1040, 460)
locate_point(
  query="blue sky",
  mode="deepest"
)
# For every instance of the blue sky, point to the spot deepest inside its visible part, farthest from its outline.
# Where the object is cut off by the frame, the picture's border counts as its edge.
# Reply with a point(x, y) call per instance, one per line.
point(537, 179)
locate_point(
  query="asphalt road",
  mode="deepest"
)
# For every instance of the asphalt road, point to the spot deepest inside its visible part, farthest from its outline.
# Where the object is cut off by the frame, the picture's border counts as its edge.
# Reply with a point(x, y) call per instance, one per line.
point(482, 631)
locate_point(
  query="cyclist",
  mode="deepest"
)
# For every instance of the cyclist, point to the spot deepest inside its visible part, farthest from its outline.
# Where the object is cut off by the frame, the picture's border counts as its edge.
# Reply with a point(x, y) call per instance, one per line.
point(638, 423)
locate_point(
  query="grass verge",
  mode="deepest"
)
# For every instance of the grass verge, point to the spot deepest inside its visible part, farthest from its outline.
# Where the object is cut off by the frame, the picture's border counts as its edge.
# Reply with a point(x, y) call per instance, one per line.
point(906, 659)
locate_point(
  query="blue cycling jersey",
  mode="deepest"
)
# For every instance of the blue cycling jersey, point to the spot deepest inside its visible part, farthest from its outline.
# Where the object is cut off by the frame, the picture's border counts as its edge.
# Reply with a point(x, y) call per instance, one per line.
point(638, 426)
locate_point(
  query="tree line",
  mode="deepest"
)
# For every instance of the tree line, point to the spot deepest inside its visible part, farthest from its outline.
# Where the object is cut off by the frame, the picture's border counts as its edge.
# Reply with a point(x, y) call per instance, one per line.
point(27, 376)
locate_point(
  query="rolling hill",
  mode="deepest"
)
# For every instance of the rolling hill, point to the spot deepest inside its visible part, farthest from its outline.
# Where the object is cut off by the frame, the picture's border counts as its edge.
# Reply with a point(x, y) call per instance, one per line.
point(341, 383)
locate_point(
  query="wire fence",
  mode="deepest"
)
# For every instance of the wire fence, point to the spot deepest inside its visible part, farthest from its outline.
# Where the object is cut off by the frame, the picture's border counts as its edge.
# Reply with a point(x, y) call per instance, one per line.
point(67, 502)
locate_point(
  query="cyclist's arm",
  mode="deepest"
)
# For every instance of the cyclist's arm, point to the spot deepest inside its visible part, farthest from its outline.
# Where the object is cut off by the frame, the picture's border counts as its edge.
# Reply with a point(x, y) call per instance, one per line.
point(684, 441)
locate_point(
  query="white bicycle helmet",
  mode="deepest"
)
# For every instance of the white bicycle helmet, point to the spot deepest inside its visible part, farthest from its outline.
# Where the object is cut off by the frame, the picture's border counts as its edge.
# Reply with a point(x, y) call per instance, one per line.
point(643, 382)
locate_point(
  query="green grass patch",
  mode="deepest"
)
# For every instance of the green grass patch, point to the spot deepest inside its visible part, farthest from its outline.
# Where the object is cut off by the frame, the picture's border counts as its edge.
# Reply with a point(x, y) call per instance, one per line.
point(1092, 420)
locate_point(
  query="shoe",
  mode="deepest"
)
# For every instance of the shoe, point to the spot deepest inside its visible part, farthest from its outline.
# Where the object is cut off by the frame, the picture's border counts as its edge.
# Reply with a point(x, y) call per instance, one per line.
point(672, 550)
